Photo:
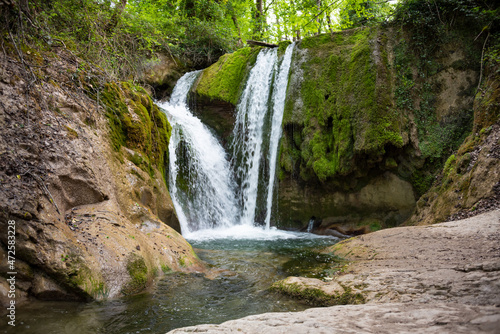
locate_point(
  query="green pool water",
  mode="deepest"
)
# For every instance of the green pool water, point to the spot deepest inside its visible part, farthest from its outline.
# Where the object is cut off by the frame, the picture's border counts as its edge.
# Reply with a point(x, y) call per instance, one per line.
point(248, 267)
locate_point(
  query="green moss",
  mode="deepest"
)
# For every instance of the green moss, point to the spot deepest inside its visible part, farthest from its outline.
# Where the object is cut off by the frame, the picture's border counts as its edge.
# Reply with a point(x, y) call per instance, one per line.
point(317, 297)
point(449, 165)
point(375, 226)
point(422, 180)
point(345, 106)
point(390, 163)
point(136, 122)
point(136, 159)
point(81, 277)
point(166, 269)
point(224, 80)
point(282, 47)
point(138, 272)
point(71, 132)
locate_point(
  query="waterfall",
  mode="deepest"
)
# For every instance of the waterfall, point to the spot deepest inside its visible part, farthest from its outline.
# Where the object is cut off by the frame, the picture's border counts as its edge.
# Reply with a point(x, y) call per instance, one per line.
point(248, 131)
point(210, 189)
point(200, 181)
point(279, 95)
point(310, 226)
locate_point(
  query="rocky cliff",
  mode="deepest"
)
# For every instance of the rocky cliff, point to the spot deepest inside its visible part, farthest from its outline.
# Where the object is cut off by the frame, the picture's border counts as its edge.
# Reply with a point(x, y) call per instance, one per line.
point(371, 116)
point(82, 178)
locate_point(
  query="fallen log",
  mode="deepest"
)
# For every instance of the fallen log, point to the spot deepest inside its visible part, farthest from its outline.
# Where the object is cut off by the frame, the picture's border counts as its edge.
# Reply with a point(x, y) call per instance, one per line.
point(257, 43)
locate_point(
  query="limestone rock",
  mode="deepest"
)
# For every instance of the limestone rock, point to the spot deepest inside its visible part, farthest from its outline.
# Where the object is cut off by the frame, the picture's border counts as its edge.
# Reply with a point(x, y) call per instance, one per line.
point(46, 289)
point(310, 290)
point(386, 318)
point(452, 262)
point(330, 288)
point(84, 204)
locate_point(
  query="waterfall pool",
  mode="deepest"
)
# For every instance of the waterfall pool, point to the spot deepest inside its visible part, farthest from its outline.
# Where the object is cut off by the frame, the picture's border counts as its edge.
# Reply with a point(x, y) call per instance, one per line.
point(249, 259)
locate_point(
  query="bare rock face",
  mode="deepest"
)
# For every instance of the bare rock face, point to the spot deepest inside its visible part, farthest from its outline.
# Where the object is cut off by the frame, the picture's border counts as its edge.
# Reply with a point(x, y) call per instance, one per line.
point(387, 318)
point(91, 218)
point(449, 262)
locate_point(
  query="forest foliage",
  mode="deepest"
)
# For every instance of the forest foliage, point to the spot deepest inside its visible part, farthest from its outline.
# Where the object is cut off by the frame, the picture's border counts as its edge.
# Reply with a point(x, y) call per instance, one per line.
point(123, 36)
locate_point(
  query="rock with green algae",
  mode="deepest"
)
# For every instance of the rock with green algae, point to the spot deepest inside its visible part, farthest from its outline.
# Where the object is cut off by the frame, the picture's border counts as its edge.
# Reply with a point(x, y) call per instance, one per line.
point(225, 79)
point(360, 105)
point(136, 122)
point(215, 94)
point(317, 292)
point(339, 102)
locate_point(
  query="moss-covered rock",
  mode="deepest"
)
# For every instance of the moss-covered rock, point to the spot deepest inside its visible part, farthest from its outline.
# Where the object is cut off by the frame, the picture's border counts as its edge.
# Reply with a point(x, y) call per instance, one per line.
point(316, 292)
point(345, 112)
point(364, 102)
point(468, 182)
point(138, 272)
point(137, 123)
point(215, 94)
point(224, 80)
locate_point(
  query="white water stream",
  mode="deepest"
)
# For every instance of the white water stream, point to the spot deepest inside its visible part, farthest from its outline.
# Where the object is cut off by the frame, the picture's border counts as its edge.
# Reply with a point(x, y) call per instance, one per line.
point(200, 181)
point(215, 192)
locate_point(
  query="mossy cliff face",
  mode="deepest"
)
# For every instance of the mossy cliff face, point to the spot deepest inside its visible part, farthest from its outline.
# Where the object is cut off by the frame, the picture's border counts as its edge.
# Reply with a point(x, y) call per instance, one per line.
point(339, 115)
point(215, 94)
point(468, 183)
point(82, 174)
point(367, 111)
point(137, 123)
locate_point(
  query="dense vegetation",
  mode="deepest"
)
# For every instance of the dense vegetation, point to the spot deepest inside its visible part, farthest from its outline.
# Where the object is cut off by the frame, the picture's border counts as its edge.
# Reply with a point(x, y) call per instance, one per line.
point(123, 36)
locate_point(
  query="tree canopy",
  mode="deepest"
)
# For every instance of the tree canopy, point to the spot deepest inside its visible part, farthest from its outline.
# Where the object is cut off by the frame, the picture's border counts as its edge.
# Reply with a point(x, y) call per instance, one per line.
point(122, 35)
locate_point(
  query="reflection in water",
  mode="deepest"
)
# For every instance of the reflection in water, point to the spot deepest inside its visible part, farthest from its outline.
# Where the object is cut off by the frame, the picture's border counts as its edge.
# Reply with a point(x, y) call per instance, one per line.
point(248, 268)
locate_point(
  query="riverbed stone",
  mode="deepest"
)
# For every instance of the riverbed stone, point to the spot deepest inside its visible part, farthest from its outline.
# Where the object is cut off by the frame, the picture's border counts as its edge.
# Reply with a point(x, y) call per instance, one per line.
point(309, 289)
point(436, 318)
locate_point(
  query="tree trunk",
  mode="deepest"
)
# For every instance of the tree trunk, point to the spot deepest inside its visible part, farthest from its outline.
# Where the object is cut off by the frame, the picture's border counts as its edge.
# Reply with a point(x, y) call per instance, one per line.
point(329, 20)
point(257, 43)
point(115, 18)
point(318, 3)
point(235, 21)
point(259, 17)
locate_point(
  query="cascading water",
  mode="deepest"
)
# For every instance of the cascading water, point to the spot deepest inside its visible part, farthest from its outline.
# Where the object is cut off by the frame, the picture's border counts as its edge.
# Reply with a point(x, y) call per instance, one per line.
point(279, 95)
point(208, 191)
point(201, 182)
point(248, 131)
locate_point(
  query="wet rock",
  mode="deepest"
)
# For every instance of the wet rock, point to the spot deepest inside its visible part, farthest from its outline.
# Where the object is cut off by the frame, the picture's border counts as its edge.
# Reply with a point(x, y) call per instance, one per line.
point(46, 289)
point(300, 287)
point(386, 200)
